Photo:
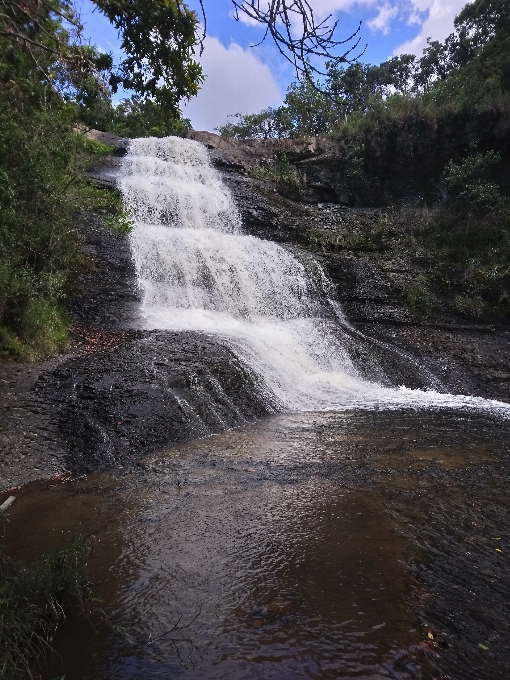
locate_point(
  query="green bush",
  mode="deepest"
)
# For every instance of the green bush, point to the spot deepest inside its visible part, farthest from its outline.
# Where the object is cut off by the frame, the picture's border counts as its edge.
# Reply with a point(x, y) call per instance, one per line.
point(419, 298)
point(281, 171)
point(118, 224)
point(469, 305)
point(470, 182)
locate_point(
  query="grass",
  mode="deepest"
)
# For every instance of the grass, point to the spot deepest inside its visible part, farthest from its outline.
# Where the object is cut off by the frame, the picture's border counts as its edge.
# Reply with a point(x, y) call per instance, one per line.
point(34, 599)
point(43, 331)
point(419, 299)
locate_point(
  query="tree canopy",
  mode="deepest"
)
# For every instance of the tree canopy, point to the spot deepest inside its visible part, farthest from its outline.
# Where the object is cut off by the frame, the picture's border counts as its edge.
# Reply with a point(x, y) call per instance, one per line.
point(160, 40)
point(470, 68)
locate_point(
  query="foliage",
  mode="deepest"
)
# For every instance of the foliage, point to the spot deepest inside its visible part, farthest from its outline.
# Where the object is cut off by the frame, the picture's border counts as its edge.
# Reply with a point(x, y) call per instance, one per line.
point(42, 159)
point(34, 600)
point(261, 125)
point(160, 39)
point(138, 117)
point(469, 182)
point(362, 87)
point(419, 298)
point(280, 171)
point(306, 111)
point(469, 305)
point(118, 224)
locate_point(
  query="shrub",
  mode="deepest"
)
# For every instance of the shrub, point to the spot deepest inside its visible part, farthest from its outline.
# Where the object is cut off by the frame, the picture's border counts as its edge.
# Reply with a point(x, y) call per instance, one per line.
point(469, 182)
point(419, 299)
point(280, 171)
point(469, 305)
point(118, 224)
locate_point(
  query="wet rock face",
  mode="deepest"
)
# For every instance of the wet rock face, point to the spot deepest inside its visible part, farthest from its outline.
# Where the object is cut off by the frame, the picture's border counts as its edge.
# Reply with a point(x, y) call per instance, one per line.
point(108, 407)
point(30, 446)
point(108, 295)
point(154, 390)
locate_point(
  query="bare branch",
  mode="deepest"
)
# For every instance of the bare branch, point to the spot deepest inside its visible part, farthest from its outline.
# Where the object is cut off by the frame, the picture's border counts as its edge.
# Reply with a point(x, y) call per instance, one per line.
point(204, 33)
point(300, 39)
point(174, 628)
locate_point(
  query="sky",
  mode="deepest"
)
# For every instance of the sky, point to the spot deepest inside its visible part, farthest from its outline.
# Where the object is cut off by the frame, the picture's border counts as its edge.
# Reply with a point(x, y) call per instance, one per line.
point(244, 79)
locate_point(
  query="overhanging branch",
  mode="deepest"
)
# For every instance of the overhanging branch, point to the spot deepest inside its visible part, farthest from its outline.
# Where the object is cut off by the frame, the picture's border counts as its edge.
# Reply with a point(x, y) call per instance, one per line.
point(300, 39)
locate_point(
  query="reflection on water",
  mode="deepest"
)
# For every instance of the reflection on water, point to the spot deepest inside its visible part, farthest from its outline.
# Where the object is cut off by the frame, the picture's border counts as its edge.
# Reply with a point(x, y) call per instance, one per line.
point(299, 579)
point(274, 551)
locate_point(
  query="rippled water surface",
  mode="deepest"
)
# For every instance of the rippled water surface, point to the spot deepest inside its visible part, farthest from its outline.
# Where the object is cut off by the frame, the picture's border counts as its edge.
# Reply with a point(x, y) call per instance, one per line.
point(281, 550)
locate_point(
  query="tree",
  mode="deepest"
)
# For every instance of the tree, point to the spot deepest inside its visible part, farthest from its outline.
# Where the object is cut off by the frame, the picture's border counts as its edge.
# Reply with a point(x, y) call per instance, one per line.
point(160, 40)
point(397, 74)
point(359, 87)
point(42, 157)
point(141, 117)
point(261, 125)
point(484, 20)
point(306, 111)
point(48, 33)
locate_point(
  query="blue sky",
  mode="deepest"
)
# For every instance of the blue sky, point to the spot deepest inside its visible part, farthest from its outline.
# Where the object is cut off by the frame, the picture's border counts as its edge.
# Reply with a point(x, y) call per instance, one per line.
point(241, 78)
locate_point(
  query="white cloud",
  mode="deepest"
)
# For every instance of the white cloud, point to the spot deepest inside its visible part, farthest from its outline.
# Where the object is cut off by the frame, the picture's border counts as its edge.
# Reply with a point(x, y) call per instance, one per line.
point(382, 21)
point(236, 81)
point(438, 23)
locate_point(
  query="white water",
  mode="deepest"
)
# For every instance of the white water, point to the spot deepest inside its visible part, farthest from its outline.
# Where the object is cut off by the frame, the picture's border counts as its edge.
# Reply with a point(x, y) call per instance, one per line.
point(198, 271)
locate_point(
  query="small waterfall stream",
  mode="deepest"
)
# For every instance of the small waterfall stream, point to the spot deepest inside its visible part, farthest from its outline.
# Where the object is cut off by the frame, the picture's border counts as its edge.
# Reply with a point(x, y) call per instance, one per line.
point(198, 271)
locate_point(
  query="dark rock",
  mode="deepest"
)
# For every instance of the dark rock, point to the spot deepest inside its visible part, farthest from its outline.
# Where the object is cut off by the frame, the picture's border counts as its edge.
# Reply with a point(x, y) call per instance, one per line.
point(119, 144)
point(108, 296)
point(155, 390)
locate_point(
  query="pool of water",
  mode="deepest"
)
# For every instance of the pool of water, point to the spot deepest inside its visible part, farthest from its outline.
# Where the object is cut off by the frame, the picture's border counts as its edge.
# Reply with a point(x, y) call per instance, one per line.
point(310, 545)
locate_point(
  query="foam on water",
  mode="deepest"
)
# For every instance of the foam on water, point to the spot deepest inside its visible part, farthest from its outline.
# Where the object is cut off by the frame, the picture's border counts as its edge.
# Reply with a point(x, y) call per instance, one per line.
point(198, 271)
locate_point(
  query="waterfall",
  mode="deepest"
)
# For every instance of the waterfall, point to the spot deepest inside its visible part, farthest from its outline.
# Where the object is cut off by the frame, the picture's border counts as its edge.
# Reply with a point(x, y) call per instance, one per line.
point(198, 271)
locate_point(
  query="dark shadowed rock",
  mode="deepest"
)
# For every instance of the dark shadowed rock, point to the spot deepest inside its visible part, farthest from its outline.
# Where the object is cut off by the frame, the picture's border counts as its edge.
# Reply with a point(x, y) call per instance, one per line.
point(152, 391)
point(108, 295)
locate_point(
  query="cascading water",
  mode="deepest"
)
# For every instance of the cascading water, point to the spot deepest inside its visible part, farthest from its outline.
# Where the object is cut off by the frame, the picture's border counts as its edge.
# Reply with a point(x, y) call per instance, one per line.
point(198, 271)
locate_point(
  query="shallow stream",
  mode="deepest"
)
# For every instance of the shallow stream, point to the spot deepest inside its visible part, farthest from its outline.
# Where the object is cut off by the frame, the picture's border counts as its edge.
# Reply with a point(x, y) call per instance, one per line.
point(311, 545)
